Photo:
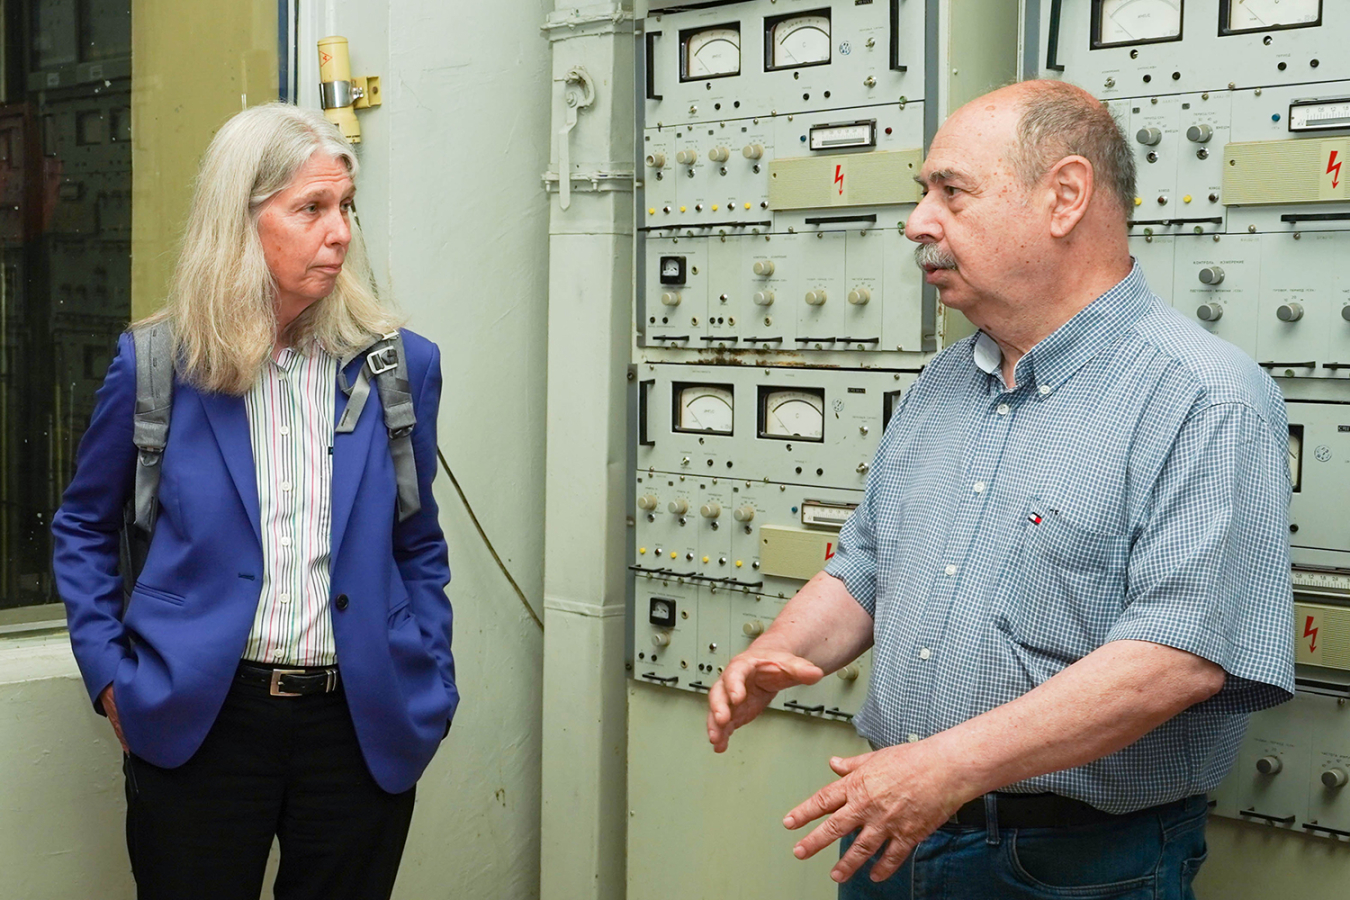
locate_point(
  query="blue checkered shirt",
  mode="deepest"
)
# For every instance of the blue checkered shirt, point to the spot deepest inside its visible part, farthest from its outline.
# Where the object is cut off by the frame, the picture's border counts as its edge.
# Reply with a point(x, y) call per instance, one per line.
point(1133, 486)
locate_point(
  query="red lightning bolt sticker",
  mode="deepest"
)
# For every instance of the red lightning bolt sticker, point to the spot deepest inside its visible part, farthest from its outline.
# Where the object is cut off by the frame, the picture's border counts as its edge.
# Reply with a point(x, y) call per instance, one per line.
point(1310, 631)
point(829, 551)
point(839, 175)
point(1334, 169)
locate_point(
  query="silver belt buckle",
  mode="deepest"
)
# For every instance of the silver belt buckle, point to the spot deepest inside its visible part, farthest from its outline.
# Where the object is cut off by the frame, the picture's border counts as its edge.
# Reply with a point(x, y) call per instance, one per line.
point(276, 690)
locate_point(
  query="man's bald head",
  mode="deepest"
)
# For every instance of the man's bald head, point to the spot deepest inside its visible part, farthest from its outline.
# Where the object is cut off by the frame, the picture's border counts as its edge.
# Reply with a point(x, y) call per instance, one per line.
point(1058, 120)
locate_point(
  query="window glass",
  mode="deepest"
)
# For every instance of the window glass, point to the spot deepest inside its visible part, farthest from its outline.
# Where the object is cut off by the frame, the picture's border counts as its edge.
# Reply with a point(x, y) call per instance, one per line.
point(105, 109)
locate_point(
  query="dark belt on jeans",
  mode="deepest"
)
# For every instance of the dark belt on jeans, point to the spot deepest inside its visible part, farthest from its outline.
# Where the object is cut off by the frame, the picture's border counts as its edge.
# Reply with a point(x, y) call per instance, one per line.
point(1043, 811)
point(281, 681)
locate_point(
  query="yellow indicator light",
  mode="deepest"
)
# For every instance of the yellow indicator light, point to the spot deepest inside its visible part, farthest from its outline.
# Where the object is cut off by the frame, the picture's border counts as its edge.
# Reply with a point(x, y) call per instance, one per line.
point(683, 208)
point(1186, 199)
point(651, 211)
point(747, 206)
point(642, 551)
point(714, 207)
point(739, 563)
point(674, 555)
point(705, 559)
point(1138, 201)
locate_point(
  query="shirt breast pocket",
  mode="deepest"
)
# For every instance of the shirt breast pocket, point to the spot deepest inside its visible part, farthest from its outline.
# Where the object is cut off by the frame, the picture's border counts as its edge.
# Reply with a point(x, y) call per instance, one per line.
point(1064, 588)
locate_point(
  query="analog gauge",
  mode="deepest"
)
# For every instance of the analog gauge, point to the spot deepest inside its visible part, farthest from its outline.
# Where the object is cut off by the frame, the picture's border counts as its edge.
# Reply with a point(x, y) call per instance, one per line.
point(1263, 15)
point(1121, 22)
point(792, 415)
point(793, 42)
point(1296, 457)
point(710, 52)
point(703, 408)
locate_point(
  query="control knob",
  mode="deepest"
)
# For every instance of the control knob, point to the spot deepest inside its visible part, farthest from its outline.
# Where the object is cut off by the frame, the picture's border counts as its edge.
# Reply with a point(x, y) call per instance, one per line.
point(765, 298)
point(1289, 312)
point(753, 628)
point(753, 151)
point(1211, 275)
point(686, 157)
point(1149, 137)
point(661, 639)
point(719, 154)
point(1209, 312)
point(1345, 313)
point(763, 267)
point(656, 160)
point(1199, 133)
point(1269, 765)
point(815, 298)
point(671, 298)
point(647, 502)
point(710, 510)
point(849, 673)
point(744, 514)
point(859, 296)
point(1335, 778)
point(679, 507)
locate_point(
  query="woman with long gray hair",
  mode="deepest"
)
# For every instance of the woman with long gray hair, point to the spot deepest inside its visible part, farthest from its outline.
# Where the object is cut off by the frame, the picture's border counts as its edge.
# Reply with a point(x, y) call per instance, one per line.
point(280, 666)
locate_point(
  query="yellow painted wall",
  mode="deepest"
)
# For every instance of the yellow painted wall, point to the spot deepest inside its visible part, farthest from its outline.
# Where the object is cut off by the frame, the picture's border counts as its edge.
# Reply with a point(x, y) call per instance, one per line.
point(194, 64)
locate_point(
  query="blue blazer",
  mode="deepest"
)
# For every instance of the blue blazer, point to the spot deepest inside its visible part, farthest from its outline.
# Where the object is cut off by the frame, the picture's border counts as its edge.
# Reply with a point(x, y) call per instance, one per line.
point(172, 656)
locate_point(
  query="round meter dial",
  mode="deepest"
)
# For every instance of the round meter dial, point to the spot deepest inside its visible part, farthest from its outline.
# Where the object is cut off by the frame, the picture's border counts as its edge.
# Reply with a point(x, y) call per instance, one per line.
point(793, 415)
point(711, 53)
point(1123, 22)
point(1263, 15)
point(797, 41)
point(704, 408)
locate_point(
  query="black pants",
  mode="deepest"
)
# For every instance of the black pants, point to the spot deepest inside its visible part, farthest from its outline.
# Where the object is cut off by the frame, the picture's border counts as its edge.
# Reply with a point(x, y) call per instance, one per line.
point(287, 767)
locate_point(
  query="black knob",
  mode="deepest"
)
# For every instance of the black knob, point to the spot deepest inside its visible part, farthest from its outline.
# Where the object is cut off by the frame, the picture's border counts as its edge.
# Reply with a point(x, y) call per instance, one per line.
point(340, 602)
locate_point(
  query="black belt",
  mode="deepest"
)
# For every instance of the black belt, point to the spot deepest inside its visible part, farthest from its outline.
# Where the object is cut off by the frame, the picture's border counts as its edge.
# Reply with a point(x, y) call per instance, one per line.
point(1044, 811)
point(281, 681)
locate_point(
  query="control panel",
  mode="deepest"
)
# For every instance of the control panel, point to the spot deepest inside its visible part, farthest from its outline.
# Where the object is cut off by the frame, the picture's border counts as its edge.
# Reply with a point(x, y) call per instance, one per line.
point(1238, 112)
point(778, 314)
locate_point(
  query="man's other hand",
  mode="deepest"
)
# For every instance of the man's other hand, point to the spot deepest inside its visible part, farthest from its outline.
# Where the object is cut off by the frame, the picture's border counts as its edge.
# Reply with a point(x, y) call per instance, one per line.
point(748, 684)
point(893, 798)
point(110, 707)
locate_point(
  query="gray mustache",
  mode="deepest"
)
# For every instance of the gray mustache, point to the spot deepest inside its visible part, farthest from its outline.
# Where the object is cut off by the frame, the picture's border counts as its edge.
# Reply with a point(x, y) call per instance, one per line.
point(931, 256)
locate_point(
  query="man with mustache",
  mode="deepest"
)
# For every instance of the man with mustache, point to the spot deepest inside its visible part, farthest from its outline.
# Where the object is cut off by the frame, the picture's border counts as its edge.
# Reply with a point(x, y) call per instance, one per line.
point(1071, 560)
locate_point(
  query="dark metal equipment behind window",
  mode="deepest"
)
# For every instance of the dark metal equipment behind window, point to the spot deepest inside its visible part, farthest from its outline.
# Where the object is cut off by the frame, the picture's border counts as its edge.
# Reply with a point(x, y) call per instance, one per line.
point(65, 255)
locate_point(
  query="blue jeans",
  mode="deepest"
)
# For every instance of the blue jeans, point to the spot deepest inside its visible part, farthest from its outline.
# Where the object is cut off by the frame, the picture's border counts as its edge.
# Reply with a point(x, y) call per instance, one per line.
point(1146, 856)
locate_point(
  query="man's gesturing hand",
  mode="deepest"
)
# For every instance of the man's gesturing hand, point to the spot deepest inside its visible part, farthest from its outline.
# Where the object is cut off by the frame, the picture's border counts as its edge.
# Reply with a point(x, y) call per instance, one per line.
point(747, 685)
point(899, 794)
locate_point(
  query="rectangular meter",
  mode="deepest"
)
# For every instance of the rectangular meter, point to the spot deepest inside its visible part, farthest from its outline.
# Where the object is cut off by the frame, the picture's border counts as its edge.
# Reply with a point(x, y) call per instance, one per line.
point(1319, 115)
point(839, 137)
point(826, 514)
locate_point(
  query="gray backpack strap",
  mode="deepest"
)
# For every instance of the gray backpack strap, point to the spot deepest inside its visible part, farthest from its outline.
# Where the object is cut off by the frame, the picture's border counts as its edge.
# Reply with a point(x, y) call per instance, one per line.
point(387, 365)
point(150, 422)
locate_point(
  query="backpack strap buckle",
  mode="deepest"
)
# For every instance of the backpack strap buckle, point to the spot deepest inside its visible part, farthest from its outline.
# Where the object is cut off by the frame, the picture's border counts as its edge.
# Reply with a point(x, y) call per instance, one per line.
point(382, 359)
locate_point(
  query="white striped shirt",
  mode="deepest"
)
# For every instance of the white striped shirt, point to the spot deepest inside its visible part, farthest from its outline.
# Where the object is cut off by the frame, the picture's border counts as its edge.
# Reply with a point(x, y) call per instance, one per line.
point(290, 423)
